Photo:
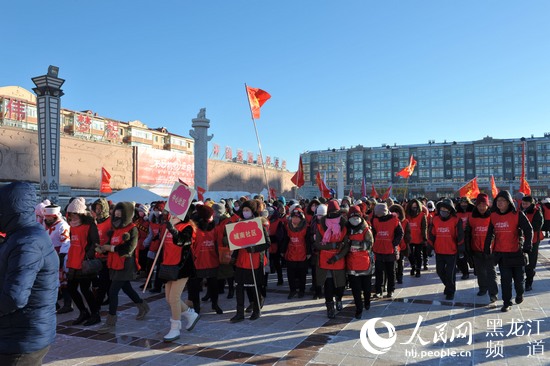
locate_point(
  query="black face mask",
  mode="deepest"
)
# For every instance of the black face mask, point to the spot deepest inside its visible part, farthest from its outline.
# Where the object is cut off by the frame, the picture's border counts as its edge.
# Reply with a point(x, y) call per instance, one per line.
point(414, 211)
point(444, 214)
point(117, 222)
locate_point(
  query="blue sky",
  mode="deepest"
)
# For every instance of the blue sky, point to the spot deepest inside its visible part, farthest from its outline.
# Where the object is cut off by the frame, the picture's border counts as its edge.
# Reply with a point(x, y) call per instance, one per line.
point(340, 73)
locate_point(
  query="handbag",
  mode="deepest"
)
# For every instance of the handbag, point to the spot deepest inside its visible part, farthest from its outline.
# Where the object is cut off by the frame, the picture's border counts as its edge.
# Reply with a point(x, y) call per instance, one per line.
point(169, 272)
point(91, 267)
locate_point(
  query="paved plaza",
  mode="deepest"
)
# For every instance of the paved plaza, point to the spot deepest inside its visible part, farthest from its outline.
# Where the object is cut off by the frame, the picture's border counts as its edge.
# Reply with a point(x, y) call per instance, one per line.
point(428, 330)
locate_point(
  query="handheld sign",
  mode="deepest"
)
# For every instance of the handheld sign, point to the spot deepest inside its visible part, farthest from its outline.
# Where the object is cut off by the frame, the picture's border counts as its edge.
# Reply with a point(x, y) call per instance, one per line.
point(244, 234)
point(179, 200)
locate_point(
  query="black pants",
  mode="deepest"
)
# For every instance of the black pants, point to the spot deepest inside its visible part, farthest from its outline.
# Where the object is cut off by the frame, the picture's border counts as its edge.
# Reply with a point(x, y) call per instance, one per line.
point(86, 289)
point(296, 273)
point(360, 285)
point(399, 269)
point(275, 261)
point(416, 256)
point(24, 359)
point(486, 273)
point(251, 294)
point(382, 269)
point(331, 291)
point(530, 268)
point(103, 283)
point(462, 265)
point(194, 287)
point(507, 275)
point(445, 266)
point(125, 286)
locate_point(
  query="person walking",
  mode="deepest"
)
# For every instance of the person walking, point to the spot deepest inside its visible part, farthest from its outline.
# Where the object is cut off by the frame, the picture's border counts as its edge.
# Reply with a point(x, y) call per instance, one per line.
point(29, 268)
point(536, 218)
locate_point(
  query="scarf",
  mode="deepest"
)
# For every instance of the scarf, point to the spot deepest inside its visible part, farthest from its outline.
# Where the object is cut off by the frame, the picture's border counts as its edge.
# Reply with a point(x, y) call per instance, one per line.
point(332, 234)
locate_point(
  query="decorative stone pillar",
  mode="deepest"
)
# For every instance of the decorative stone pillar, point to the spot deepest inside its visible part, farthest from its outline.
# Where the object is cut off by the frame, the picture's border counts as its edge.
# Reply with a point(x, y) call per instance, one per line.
point(48, 92)
point(200, 135)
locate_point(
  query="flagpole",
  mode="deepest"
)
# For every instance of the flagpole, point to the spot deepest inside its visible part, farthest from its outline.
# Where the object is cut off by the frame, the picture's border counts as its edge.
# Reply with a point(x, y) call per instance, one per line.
point(257, 138)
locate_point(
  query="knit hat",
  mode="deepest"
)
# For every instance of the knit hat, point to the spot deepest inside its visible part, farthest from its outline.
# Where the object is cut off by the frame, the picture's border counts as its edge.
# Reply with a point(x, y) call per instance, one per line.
point(252, 205)
point(482, 198)
point(297, 211)
point(143, 208)
point(333, 206)
point(218, 208)
point(39, 209)
point(381, 209)
point(52, 210)
point(528, 199)
point(321, 210)
point(205, 212)
point(354, 211)
point(282, 199)
point(78, 205)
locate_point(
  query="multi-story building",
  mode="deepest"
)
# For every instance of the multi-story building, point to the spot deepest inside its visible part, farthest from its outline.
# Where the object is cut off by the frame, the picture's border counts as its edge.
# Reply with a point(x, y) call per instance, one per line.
point(442, 167)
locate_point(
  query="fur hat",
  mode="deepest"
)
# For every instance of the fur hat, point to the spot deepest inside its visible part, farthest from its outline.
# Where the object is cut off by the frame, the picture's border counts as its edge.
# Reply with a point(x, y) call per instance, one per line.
point(321, 210)
point(78, 205)
point(333, 206)
point(205, 212)
point(252, 205)
point(381, 209)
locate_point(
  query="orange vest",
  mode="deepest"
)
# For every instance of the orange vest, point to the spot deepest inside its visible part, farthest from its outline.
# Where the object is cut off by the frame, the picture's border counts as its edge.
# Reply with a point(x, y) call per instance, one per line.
point(296, 251)
point(115, 261)
point(415, 225)
point(243, 260)
point(171, 252)
point(204, 251)
point(385, 230)
point(446, 235)
point(478, 227)
point(357, 259)
point(506, 232)
point(77, 249)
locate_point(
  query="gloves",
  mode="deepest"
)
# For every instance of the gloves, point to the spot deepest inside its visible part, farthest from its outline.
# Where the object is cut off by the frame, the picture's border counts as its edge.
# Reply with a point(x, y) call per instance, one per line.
point(332, 259)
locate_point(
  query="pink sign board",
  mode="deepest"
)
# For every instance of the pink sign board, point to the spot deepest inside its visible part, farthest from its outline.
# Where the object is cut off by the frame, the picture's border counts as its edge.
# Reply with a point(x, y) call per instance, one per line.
point(244, 234)
point(180, 199)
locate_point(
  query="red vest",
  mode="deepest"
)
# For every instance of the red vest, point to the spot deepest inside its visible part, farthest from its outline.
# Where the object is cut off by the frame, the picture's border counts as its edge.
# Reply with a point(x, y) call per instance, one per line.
point(415, 225)
point(115, 261)
point(537, 235)
point(446, 235)
point(506, 232)
point(103, 231)
point(385, 231)
point(478, 227)
point(243, 260)
point(325, 255)
point(464, 216)
point(546, 212)
point(205, 255)
point(155, 228)
point(356, 259)
point(402, 244)
point(172, 253)
point(296, 251)
point(77, 249)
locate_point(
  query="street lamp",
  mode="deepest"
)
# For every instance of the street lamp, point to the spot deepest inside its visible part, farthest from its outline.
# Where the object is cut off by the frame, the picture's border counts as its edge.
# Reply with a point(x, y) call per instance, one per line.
point(48, 92)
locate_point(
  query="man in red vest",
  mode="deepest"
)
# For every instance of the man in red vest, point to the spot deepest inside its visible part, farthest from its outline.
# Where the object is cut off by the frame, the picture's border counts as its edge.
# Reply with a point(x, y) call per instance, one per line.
point(536, 219)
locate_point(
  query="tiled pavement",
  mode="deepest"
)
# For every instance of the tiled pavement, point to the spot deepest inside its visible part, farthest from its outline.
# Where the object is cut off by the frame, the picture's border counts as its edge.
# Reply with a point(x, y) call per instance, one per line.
point(428, 331)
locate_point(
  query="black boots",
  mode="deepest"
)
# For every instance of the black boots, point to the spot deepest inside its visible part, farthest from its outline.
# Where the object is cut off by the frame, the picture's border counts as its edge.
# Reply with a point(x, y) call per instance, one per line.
point(84, 315)
point(92, 320)
point(331, 313)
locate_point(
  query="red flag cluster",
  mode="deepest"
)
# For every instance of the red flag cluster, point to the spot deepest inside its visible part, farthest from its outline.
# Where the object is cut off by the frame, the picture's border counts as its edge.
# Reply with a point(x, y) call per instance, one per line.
point(105, 181)
point(256, 99)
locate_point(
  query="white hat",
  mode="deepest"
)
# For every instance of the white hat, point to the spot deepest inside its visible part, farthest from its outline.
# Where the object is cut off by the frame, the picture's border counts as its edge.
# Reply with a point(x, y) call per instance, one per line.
point(293, 206)
point(78, 205)
point(321, 210)
point(39, 209)
point(52, 210)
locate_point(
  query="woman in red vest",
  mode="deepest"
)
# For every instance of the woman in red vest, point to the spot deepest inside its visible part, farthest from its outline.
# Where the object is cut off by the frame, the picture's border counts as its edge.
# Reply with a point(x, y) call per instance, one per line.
point(225, 271)
point(418, 224)
point(475, 234)
point(447, 238)
point(536, 218)
point(177, 252)
point(103, 221)
point(511, 234)
point(122, 263)
point(84, 237)
point(388, 233)
point(464, 212)
point(243, 268)
point(331, 240)
point(398, 210)
point(359, 260)
point(296, 252)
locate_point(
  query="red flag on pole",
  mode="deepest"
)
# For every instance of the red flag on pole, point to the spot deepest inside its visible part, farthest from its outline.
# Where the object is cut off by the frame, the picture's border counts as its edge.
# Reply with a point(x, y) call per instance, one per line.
point(325, 192)
point(105, 181)
point(386, 194)
point(470, 189)
point(272, 193)
point(373, 192)
point(407, 171)
point(494, 189)
point(256, 99)
point(298, 178)
point(523, 185)
point(200, 193)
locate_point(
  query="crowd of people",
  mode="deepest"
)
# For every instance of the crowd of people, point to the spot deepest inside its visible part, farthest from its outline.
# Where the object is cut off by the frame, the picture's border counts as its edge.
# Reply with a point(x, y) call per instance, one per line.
point(343, 243)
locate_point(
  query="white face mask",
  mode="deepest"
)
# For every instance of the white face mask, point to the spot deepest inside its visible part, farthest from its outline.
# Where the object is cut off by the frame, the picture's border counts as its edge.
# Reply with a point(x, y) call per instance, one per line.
point(354, 221)
point(247, 214)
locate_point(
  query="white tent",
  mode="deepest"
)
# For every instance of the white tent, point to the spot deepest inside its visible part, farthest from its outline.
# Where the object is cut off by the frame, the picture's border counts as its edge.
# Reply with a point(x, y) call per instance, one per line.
point(135, 194)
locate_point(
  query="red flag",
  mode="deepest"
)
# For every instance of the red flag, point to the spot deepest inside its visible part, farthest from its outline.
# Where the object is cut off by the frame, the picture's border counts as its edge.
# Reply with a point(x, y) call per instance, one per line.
point(325, 192)
point(105, 181)
point(200, 193)
point(494, 189)
point(256, 99)
point(470, 189)
point(298, 178)
point(272, 193)
point(373, 192)
point(523, 185)
point(386, 194)
point(407, 171)
point(363, 187)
